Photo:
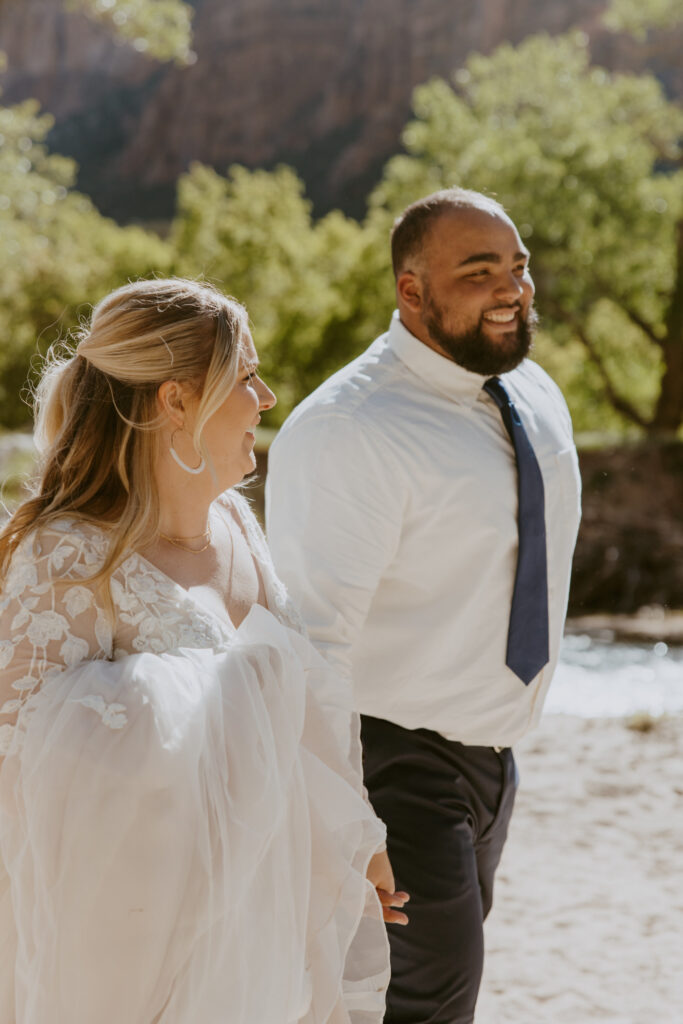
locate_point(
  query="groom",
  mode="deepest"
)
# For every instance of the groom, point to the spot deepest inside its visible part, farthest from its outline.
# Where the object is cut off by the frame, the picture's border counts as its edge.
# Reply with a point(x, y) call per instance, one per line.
point(423, 506)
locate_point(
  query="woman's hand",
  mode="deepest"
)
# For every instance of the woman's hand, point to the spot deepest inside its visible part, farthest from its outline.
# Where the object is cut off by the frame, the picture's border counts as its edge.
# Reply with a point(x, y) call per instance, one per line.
point(381, 876)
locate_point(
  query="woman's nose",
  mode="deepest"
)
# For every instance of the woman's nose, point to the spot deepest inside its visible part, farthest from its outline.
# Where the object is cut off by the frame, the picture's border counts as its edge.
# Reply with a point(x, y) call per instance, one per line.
point(267, 398)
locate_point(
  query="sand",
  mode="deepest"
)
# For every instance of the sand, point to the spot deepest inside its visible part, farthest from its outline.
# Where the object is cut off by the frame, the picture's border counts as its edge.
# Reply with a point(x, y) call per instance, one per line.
point(587, 923)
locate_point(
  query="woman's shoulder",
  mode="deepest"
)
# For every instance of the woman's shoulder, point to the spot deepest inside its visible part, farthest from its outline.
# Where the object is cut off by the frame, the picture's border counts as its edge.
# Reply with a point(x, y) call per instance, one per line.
point(64, 548)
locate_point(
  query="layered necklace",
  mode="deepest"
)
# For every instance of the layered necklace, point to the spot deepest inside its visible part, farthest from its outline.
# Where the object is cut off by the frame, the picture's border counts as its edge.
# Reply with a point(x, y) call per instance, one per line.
point(181, 542)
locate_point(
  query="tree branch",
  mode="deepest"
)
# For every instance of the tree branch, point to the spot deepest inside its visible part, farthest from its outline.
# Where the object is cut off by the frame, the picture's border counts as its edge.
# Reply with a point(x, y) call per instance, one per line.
point(617, 401)
point(634, 317)
point(642, 324)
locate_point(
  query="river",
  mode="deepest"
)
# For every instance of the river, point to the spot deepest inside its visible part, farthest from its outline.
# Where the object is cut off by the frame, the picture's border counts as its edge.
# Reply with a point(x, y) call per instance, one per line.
point(609, 679)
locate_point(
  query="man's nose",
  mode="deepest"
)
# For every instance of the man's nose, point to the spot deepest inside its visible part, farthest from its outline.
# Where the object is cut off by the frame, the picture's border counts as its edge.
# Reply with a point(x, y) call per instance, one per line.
point(509, 287)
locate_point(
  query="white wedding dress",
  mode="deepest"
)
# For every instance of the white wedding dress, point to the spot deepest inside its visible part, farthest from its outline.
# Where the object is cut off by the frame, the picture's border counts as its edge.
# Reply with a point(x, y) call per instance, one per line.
point(183, 836)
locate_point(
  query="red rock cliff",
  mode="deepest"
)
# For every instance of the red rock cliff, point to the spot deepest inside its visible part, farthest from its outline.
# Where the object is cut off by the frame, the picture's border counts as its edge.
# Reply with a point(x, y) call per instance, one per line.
point(322, 84)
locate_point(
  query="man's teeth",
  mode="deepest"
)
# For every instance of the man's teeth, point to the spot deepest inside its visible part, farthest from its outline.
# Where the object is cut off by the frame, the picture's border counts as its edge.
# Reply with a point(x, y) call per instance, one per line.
point(502, 317)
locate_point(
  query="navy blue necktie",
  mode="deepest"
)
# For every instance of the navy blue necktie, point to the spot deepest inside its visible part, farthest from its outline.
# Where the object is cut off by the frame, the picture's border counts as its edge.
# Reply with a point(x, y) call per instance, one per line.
point(527, 646)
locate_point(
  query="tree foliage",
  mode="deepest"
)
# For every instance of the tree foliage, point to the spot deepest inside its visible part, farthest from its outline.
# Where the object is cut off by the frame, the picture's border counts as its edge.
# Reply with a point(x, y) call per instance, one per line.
point(638, 17)
point(58, 254)
point(160, 28)
point(313, 289)
point(585, 162)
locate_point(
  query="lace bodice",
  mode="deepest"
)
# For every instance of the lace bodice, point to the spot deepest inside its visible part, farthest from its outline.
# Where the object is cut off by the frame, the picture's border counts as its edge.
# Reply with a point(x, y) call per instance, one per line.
point(51, 618)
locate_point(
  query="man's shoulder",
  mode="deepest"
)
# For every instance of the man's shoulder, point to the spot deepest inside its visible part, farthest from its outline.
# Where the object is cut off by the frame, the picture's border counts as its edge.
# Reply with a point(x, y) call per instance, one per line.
point(529, 378)
point(531, 374)
point(355, 392)
point(534, 390)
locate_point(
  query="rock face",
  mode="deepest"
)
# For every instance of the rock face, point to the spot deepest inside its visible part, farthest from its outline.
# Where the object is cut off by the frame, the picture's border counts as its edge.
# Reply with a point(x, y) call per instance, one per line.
point(324, 85)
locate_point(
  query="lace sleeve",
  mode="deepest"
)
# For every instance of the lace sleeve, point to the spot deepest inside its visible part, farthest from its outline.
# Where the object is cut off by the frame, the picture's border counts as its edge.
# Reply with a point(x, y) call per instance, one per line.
point(50, 619)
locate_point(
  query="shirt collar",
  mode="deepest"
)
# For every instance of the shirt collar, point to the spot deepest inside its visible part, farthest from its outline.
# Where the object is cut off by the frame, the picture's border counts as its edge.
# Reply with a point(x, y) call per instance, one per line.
point(440, 373)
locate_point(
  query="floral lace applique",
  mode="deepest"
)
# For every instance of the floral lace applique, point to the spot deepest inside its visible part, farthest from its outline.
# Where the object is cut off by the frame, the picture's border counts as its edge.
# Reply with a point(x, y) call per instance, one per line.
point(113, 715)
point(48, 620)
point(51, 619)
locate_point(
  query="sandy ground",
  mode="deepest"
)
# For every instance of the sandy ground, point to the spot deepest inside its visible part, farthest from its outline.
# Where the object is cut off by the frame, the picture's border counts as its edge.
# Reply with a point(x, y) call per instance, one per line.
point(587, 924)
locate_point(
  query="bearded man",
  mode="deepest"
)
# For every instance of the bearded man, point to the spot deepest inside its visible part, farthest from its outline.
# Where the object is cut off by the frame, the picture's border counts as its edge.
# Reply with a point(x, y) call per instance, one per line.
point(423, 506)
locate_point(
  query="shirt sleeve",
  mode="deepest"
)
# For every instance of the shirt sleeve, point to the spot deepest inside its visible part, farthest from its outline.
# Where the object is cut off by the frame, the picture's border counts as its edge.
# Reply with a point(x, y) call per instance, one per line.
point(334, 511)
point(50, 619)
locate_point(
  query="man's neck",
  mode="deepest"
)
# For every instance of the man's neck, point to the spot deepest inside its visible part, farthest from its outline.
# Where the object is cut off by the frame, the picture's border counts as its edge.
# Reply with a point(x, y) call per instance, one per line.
point(419, 331)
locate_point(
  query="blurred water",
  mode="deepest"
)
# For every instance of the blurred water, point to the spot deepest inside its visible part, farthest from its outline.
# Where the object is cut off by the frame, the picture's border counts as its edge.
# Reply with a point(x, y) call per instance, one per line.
point(610, 679)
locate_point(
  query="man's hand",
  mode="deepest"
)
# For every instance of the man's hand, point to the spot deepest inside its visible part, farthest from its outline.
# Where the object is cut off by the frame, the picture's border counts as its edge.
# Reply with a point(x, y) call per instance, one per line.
point(381, 876)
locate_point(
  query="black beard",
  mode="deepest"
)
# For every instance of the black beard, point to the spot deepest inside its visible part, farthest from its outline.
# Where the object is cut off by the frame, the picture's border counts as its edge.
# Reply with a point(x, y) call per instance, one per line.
point(474, 350)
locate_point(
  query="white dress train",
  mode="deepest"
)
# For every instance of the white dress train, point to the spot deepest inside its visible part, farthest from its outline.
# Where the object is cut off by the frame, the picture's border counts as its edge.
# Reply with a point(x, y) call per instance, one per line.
point(183, 835)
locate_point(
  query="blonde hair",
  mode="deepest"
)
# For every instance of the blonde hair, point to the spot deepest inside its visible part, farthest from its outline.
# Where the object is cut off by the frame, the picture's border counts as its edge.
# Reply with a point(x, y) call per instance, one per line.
point(97, 415)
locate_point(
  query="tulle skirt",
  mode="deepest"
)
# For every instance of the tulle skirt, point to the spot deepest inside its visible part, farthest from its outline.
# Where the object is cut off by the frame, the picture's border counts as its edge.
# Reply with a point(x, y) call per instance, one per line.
point(185, 842)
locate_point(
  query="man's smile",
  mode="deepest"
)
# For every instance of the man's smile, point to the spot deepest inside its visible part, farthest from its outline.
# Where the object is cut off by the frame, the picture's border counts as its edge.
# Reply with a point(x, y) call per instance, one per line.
point(501, 316)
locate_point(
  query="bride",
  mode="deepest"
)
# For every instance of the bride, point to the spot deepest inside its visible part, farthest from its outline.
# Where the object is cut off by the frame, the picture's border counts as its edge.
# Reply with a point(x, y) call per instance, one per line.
point(183, 833)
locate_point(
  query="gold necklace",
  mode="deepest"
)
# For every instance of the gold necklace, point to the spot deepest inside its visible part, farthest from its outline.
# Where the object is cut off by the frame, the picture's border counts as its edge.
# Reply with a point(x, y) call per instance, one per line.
point(175, 541)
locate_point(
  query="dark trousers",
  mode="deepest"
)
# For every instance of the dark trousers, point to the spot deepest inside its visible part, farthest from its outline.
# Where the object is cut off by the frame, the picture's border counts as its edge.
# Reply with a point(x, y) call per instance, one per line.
point(446, 807)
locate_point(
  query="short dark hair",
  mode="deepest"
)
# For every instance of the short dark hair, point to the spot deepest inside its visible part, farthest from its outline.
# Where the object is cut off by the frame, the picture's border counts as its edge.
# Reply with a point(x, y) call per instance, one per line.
point(412, 226)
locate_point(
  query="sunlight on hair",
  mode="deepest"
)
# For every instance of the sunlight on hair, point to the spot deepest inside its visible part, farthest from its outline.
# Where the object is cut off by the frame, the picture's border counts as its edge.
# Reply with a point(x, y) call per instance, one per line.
point(97, 415)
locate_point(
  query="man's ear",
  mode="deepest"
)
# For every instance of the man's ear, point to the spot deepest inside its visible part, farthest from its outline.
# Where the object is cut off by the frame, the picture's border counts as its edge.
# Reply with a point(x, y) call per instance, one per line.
point(409, 290)
point(170, 399)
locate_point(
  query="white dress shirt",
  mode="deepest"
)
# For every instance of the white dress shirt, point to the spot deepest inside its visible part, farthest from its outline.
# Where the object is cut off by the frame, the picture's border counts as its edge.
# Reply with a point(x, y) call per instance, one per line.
point(391, 505)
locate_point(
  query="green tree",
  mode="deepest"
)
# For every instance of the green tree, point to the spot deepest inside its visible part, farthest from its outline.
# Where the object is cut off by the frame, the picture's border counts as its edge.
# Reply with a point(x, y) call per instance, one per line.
point(638, 17)
point(58, 254)
point(160, 28)
point(586, 163)
point(310, 287)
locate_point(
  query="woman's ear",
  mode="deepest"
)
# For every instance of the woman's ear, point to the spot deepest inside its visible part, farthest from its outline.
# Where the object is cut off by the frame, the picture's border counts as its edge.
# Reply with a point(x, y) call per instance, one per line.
point(171, 401)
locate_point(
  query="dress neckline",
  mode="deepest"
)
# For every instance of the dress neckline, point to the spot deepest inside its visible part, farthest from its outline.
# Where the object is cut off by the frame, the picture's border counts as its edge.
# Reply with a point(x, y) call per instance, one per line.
point(226, 624)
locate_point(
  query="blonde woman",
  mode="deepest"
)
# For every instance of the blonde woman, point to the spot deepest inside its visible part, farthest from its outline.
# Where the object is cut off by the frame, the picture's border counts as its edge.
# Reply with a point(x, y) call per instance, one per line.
point(183, 836)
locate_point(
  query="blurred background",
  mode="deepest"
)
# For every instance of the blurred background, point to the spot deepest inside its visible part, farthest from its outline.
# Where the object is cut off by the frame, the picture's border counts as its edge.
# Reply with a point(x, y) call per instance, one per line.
point(268, 144)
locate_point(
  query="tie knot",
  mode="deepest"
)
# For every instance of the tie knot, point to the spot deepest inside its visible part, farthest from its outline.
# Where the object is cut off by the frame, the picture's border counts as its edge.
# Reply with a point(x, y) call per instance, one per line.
point(496, 390)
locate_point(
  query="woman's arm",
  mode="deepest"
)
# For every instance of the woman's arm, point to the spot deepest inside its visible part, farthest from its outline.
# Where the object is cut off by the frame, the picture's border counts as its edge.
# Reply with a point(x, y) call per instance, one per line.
point(50, 618)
